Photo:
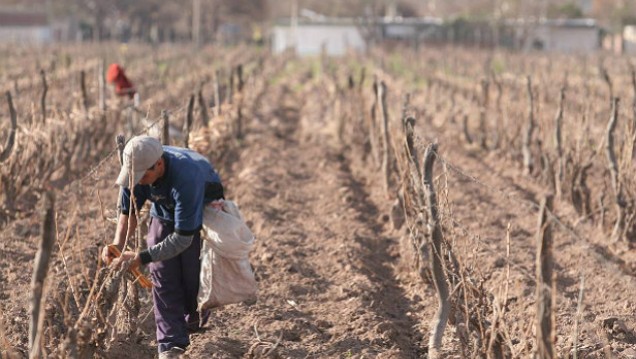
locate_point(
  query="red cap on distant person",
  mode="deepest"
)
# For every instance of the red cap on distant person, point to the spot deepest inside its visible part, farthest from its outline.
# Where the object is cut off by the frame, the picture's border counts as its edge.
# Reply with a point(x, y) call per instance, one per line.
point(114, 70)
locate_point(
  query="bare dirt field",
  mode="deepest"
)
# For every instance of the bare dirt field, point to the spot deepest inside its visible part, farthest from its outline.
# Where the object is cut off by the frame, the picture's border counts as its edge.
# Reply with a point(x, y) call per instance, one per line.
point(336, 278)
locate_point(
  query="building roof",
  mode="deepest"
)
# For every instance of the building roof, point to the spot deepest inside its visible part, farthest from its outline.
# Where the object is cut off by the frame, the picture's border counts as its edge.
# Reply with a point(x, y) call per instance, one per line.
point(350, 21)
point(428, 21)
point(22, 18)
point(589, 23)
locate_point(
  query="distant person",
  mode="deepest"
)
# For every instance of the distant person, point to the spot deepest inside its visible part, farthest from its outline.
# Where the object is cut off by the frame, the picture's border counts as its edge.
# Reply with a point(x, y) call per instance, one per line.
point(123, 86)
point(125, 92)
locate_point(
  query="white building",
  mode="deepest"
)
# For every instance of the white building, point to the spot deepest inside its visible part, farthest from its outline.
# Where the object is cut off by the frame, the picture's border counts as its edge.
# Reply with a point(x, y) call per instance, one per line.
point(629, 39)
point(339, 35)
point(24, 27)
point(558, 35)
point(336, 37)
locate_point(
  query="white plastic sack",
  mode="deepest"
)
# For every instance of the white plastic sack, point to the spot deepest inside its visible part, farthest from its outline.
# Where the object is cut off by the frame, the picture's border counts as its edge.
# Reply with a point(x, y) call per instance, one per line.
point(226, 275)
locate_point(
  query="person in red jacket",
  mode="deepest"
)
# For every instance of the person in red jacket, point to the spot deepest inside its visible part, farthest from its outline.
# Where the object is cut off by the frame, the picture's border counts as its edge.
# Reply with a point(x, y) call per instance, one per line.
point(116, 76)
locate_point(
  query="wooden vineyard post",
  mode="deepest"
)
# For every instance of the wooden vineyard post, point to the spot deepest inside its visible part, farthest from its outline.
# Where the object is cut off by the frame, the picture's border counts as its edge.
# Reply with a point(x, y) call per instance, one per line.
point(465, 131)
point(165, 129)
point(373, 138)
point(385, 135)
point(483, 129)
point(608, 81)
point(409, 130)
point(217, 95)
point(405, 107)
point(40, 269)
point(338, 114)
point(239, 106)
point(632, 134)
point(239, 78)
point(8, 147)
point(205, 119)
point(558, 124)
point(527, 136)
point(230, 87)
point(120, 140)
point(187, 125)
point(101, 86)
point(83, 90)
point(362, 108)
point(437, 267)
point(408, 125)
point(413, 163)
point(627, 149)
point(45, 89)
point(545, 296)
point(359, 105)
point(500, 126)
point(414, 184)
point(614, 172)
point(363, 75)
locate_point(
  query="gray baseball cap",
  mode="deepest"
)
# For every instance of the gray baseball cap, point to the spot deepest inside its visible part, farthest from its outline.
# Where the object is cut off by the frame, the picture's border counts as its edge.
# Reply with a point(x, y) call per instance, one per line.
point(140, 153)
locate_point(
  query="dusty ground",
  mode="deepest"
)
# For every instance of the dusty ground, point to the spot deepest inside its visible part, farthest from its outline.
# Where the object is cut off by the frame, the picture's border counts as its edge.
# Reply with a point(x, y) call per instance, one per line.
point(333, 282)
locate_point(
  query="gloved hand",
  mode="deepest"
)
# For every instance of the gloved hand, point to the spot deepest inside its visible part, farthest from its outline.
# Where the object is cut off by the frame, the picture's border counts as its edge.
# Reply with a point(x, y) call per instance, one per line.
point(107, 256)
point(128, 259)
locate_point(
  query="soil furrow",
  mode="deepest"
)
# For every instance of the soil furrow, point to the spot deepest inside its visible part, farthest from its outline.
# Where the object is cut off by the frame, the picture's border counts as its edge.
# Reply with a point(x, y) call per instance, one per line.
point(323, 258)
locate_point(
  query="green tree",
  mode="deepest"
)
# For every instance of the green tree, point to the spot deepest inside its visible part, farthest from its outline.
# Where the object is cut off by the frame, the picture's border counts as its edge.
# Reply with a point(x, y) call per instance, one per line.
point(569, 10)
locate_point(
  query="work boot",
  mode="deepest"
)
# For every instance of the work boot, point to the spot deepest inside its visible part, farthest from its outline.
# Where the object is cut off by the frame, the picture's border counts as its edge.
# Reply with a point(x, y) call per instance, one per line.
point(172, 353)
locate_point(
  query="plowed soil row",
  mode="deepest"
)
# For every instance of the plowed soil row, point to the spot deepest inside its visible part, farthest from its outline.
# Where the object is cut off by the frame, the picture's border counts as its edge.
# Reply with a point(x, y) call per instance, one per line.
point(325, 256)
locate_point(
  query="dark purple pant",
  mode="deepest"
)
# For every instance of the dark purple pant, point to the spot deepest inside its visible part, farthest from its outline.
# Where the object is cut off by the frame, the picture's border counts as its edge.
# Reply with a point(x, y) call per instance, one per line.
point(176, 285)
